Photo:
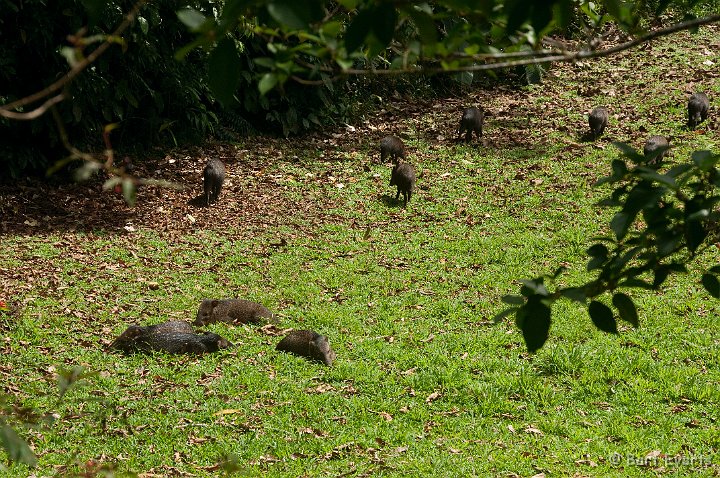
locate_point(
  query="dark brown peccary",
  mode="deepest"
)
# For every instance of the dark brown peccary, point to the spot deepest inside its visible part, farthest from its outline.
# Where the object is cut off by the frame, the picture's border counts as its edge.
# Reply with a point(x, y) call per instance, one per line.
point(652, 147)
point(471, 122)
point(698, 106)
point(392, 147)
point(232, 311)
point(403, 176)
point(213, 179)
point(598, 121)
point(137, 338)
point(308, 344)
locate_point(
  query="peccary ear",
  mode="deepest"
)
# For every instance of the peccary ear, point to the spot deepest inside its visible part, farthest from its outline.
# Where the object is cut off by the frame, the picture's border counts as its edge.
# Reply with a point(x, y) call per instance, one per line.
point(214, 303)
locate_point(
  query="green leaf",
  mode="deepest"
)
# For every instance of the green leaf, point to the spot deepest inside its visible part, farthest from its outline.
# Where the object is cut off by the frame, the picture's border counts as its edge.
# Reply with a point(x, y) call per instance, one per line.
point(224, 71)
point(192, 19)
point(294, 14)
point(267, 82)
point(513, 299)
point(629, 152)
point(621, 222)
point(660, 275)
point(142, 21)
point(348, 4)
point(383, 26)
point(16, 448)
point(711, 284)
point(94, 9)
point(576, 294)
point(637, 283)
point(704, 159)
point(501, 315)
point(626, 307)
point(602, 317)
point(533, 319)
point(358, 30)
point(425, 25)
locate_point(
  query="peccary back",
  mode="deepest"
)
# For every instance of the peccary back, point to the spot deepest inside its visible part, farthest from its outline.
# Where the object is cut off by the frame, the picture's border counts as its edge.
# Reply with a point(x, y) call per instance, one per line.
point(698, 107)
point(213, 178)
point(184, 343)
point(392, 147)
point(598, 121)
point(308, 344)
point(652, 149)
point(232, 311)
point(168, 338)
point(471, 122)
point(171, 326)
point(403, 176)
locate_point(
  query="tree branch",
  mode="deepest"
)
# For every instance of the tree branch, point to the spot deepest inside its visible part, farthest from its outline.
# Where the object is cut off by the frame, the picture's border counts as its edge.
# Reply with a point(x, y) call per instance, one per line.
point(6, 110)
point(535, 57)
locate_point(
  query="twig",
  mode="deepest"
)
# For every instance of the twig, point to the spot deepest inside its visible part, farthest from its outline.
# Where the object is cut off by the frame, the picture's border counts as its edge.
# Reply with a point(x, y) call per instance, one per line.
point(6, 110)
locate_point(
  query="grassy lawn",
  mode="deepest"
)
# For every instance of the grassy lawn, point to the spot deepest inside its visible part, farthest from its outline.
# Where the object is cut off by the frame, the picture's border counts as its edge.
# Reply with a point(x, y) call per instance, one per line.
point(425, 384)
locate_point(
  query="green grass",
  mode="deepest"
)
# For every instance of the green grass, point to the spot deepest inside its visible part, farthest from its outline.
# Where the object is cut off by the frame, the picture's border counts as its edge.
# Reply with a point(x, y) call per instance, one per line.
point(424, 385)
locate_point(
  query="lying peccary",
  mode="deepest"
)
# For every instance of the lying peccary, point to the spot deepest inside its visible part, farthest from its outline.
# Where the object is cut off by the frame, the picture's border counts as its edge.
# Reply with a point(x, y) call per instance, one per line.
point(698, 106)
point(169, 337)
point(652, 149)
point(403, 176)
point(233, 311)
point(392, 147)
point(309, 344)
point(598, 121)
point(471, 122)
point(213, 178)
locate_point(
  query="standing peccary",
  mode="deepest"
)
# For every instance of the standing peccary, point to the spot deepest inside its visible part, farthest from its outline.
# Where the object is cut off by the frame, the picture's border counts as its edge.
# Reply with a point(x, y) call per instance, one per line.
point(653, 147)
point(213, 178)
point(471, 122)
point(232, 311)
point(392, 147)
point(698, 106)
point(168, 338)
point(403, 176)
point(598, 121)
point(309, 344)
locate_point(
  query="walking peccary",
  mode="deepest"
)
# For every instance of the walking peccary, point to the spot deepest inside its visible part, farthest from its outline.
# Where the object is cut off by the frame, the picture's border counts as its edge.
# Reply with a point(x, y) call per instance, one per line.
point(232, 311)
point(403, 176)
point(652, 149)
point(309, 344)
point(598, 121)
point(471, 122)
point(698, 106)
point(213, 178)
point(392, 147)
point(171, 337)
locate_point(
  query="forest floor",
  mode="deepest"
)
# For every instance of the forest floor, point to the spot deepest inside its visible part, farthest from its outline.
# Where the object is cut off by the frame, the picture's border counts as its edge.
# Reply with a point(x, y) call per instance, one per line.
point(425, 384)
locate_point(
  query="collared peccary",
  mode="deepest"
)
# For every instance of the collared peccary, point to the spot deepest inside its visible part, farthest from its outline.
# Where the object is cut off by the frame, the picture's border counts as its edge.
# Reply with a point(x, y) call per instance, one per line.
point(471, 122)
point(213, 178)
point(392, 147)
point(232, 311)
point(698, 106)
point(652, 149)
point(309, 344)
point(598, 121)
point(403, 176)
point(168, 338)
